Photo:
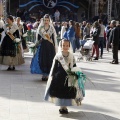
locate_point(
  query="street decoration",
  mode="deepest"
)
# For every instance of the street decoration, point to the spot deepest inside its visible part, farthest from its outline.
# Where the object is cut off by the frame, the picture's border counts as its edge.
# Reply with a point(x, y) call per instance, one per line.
point(49, 4)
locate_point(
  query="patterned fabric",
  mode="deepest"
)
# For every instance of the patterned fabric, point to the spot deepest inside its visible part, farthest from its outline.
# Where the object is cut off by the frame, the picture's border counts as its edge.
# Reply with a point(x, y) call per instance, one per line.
point(46, 51)
point(10, 52)
point(8, 47)
point(58, 90)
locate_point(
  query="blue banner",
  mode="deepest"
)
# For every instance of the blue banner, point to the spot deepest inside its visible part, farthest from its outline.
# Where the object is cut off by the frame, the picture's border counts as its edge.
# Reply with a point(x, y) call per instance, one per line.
point(49, 4)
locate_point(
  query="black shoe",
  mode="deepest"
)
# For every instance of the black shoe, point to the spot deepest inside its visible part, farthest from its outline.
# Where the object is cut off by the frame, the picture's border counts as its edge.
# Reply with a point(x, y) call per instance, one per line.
point(101, 56)
point(9, 69)
point(66, 111)
point(13, 68)
point(44, 79)
point(96, 58)
point(113, 62)
point(63, 111)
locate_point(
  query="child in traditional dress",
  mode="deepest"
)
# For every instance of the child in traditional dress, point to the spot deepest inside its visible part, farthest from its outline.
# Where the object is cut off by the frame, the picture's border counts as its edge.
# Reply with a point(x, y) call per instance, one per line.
point(60, 89)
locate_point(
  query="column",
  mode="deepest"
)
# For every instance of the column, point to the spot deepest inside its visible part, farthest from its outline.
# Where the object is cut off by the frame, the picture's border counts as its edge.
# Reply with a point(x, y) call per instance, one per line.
point(96, 7)
point(1, 8)
point(109, 10)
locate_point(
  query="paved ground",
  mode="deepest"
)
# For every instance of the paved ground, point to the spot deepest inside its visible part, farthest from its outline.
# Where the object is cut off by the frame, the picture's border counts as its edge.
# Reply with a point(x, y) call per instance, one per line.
point(21, 94)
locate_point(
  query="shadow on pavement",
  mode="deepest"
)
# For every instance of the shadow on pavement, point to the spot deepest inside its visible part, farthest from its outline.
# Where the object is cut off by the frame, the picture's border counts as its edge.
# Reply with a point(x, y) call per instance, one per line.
point(88, 116)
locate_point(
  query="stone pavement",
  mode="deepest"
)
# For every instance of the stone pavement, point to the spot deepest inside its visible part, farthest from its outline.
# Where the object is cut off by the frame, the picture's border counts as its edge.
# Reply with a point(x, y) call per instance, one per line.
point(21, 94)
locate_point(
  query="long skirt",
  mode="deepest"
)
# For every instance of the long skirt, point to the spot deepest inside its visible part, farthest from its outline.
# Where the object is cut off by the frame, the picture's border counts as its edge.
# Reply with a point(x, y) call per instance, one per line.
point(42, 61)
point(47, 53)
point(10, 54)
point(35, 68)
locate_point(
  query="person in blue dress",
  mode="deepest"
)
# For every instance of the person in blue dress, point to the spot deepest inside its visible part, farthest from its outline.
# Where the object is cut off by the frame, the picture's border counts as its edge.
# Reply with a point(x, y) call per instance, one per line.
point(71, 34)
point(46, 48)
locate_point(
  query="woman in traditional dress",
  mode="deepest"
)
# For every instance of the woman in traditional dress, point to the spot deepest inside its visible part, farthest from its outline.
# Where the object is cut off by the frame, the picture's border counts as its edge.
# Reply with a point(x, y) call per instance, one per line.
point(22, 32)
point(1, 28)
point(10, 53)
point(46, 47)
point(60, 89)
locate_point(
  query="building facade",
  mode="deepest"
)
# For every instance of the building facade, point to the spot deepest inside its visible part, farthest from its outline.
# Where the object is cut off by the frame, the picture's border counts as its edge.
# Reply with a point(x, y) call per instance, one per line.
point(91, 8)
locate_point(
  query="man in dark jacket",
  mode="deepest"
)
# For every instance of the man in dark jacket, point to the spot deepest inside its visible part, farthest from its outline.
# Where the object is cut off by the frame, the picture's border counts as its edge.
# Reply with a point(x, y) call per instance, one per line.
point(114, 40)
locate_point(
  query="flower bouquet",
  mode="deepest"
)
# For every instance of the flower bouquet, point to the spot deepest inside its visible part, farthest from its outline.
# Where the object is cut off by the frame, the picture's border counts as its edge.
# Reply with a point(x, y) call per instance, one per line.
point(32, 47)
point(17, 44)
point(75, 75)
point(25, 35)
point(17, 40)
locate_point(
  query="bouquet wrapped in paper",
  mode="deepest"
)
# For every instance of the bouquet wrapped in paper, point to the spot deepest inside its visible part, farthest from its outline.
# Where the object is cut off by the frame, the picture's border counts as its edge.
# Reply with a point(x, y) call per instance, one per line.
point(75, 76)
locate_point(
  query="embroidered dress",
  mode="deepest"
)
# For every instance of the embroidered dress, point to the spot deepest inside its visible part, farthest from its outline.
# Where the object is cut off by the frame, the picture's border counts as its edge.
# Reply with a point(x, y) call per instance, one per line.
point(45, 51)
point(59, 89)
point(10, 53)
point(22, 31)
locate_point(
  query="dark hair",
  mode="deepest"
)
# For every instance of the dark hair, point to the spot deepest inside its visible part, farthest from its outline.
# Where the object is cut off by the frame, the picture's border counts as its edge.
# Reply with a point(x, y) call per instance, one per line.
point(65, 40)
point(11, 18)
point(96, 24)
point(72, 22)
point(100, 21)
point(77, 24)
point(47, 16)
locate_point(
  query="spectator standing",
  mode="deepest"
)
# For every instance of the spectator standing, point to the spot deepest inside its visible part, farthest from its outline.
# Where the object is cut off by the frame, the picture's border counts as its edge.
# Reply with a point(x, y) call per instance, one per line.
point(63, 29)
point(101, 37)
point(57, 15)
point(18, 13)
point(114, 40)
point(77, 35)
point(71, 34)
point(107, 31)
point(59, 28)
point(82, 28)
point(27, 15)
point(86, 30)
point(95, 34)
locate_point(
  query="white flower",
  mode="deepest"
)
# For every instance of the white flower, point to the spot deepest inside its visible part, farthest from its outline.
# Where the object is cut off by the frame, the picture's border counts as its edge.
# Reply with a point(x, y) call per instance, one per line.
point(17, 40)
point(76, 69)
point(25, 35)
point(31, 45)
